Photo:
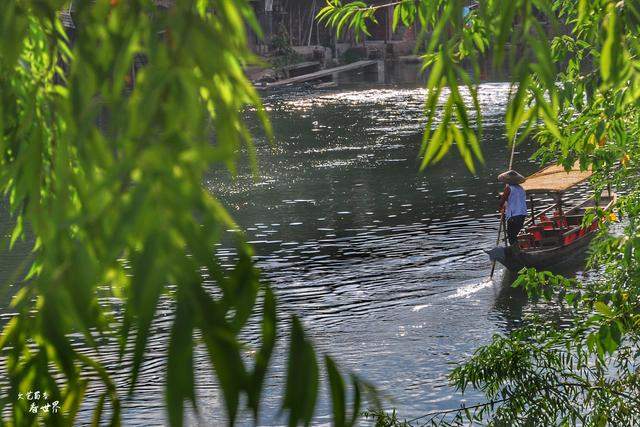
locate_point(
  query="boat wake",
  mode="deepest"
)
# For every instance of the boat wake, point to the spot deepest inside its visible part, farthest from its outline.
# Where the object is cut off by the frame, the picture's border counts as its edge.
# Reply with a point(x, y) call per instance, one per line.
point(469, 290)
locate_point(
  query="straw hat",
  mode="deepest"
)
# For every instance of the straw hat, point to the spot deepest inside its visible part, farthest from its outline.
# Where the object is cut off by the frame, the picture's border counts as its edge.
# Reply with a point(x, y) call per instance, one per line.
point(511, 177)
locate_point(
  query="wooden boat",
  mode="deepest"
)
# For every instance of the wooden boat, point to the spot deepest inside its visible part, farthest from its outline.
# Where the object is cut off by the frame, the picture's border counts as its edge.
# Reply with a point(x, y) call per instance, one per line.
point(556, 233)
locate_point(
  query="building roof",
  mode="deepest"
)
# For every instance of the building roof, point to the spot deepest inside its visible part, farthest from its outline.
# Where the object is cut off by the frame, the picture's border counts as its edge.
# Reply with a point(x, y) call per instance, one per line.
point(555, 179)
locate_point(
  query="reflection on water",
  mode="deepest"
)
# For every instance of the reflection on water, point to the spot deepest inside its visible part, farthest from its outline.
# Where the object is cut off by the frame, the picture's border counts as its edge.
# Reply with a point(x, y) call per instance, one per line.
point(383, 264)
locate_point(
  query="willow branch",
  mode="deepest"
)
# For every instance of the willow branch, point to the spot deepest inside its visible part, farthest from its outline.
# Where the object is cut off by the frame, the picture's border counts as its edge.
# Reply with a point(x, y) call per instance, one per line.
point(462, 408)
point(380, 6)
point(506, 399)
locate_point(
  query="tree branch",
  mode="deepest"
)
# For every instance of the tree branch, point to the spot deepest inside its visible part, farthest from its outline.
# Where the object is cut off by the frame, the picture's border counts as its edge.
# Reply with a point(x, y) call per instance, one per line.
point(506, 399)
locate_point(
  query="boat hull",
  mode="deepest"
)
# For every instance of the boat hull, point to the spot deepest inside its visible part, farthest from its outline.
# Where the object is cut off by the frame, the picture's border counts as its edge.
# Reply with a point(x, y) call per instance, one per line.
point(549, 257)
point(540, 259)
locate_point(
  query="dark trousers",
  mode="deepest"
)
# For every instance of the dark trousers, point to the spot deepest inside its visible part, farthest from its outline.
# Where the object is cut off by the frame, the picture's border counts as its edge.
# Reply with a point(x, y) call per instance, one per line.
point(514, 225)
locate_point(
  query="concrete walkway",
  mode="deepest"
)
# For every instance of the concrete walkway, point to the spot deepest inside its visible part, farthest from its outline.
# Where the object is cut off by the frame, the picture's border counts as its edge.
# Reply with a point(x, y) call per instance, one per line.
point(324, 73)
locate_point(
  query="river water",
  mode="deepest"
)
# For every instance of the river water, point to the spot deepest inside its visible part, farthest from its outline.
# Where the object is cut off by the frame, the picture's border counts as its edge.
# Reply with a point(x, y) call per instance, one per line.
point(384, 264)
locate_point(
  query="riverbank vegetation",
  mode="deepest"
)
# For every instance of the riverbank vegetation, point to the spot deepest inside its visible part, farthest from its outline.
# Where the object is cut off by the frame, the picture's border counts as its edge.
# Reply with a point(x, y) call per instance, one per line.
point(574, 68)
point(103, 175)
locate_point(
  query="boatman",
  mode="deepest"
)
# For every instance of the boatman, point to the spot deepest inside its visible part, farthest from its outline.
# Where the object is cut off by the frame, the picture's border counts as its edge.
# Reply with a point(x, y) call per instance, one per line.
point(513, 203)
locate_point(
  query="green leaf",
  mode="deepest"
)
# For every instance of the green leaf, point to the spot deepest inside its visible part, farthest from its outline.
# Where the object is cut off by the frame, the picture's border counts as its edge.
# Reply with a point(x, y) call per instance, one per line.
point(242, 288)
point(97, 412)
point(17, 231)
point(611, 56)
point(357, 399)
point(338, 394)
point(222, 346)
point(603, 309)
point(179, 383)
point(302, 378)
point(396, 17)
point(269, 326)
point(146, 288)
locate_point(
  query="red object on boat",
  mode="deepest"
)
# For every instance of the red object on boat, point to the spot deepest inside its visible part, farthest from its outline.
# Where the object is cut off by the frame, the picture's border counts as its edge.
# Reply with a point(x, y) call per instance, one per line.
point(570, 238)
point(559, 220)
point(537, 234)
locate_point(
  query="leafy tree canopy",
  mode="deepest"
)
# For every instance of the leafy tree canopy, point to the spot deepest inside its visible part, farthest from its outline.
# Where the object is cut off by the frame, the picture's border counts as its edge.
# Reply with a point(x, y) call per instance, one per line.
point(105, 179)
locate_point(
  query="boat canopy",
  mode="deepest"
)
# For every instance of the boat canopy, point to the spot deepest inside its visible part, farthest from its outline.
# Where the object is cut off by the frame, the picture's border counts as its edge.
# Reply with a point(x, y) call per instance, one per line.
point(555, 179)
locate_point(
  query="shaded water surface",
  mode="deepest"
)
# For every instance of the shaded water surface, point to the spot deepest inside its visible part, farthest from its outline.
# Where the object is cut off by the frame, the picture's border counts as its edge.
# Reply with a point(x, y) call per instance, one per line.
point(383, 264)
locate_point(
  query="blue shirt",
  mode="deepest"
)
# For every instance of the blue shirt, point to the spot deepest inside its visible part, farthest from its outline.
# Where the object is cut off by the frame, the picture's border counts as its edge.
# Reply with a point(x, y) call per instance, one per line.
point(517, 201)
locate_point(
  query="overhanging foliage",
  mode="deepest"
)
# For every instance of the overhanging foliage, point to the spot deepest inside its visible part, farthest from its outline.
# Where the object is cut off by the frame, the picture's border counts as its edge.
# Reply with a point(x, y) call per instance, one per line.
point(105, 178)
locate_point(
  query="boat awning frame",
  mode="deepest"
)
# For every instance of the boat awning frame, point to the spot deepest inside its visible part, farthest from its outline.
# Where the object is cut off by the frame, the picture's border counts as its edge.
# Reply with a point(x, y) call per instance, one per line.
point(555, 179)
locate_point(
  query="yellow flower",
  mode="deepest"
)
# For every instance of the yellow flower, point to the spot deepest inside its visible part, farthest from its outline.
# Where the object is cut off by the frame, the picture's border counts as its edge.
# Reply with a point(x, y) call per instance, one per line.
point(625, 160)
point(612, 216)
